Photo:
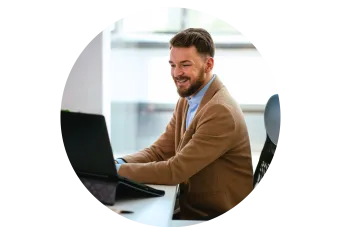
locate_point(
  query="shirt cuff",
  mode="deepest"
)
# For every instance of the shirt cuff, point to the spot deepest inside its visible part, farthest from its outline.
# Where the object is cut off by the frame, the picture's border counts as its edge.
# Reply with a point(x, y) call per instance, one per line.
point(117, 167)
point(120, 161)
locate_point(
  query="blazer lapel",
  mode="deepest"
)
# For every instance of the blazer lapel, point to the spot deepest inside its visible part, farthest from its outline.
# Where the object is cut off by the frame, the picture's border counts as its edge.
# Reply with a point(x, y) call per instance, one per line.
point(184, 117)
point(214, 87)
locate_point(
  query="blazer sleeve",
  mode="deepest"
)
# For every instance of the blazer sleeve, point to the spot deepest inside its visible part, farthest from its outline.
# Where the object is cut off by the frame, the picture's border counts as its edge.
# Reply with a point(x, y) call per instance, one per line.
point(161, 150)
point(213, 137)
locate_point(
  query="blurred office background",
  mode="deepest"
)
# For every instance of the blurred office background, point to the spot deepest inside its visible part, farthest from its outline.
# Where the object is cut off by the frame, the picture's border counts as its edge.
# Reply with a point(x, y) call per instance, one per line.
point(139, 95)
point(143, 94)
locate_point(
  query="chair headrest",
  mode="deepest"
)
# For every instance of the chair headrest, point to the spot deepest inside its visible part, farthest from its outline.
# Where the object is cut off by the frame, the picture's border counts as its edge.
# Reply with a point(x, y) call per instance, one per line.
point(272, 118)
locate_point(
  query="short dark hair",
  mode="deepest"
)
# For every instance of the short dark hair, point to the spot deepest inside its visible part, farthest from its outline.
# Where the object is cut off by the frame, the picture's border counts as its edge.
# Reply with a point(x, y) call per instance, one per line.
point(197, 37)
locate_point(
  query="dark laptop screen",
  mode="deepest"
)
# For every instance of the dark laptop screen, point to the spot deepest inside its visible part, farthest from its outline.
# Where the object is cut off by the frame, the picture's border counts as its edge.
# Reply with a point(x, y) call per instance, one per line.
point(87, 143)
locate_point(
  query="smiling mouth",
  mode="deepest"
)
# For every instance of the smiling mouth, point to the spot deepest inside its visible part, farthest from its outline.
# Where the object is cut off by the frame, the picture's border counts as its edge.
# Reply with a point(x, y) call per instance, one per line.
point(182, 81)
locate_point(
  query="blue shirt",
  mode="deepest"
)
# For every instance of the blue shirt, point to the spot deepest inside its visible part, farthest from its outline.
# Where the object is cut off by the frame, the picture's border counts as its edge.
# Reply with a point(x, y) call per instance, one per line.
point(120, 161)
point(193, 102)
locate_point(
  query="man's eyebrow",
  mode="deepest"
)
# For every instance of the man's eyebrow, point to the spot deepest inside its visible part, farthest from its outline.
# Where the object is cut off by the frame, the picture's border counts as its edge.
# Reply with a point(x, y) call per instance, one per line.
point(185, 61)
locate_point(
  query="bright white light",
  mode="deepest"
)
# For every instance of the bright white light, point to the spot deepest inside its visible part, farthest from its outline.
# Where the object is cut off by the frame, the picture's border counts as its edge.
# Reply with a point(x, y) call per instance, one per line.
point(250, 35)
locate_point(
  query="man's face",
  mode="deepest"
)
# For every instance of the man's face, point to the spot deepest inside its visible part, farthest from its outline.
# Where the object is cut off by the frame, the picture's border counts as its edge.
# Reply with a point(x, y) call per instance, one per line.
point(187, 70)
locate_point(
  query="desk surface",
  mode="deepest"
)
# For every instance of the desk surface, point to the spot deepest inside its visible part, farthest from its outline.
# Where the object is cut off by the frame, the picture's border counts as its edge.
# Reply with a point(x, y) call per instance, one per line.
point(180, 223)
point(156, 211)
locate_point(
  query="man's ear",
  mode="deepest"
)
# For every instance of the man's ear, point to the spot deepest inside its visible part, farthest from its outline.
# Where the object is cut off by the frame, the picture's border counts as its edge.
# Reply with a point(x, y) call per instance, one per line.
point(209, 64)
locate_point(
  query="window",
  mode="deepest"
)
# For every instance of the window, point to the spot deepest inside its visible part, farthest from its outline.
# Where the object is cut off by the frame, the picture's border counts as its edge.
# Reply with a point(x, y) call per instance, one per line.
point(163, 20)
point(154, 28)
point(171, 20)
point(207, 19)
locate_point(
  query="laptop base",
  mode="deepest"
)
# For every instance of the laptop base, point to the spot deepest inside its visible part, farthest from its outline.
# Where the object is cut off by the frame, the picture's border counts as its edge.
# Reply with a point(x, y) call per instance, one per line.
point(109, 191)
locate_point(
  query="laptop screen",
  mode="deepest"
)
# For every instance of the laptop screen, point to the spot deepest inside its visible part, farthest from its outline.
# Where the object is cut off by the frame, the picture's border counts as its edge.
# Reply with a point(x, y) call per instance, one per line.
point(87, 143)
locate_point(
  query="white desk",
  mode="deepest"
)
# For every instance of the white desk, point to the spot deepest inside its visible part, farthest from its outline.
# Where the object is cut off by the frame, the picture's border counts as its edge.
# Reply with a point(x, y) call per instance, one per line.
point(155, 211)
point(180, 223)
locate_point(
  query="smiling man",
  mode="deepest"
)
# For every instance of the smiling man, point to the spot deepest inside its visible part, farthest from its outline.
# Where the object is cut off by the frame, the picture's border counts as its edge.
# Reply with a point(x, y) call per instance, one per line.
point(205, 147)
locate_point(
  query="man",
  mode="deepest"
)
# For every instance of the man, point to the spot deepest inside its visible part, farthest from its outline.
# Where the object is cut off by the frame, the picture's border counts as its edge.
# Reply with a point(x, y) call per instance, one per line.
point(205, 147)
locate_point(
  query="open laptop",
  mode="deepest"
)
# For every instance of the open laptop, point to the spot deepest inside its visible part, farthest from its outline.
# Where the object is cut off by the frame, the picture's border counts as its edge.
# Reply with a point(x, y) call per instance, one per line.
point(88, 147)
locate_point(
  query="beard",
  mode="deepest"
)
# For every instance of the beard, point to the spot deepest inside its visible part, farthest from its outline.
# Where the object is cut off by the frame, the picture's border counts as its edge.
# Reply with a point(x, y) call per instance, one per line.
point(194, 86)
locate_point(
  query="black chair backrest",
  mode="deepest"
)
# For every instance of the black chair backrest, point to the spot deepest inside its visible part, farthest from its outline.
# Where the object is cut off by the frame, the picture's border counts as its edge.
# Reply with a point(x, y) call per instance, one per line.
point(272, 118)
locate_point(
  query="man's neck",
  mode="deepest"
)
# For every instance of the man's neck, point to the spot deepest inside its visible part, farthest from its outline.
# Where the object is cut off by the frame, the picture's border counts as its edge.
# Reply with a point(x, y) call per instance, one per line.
point(207, 79)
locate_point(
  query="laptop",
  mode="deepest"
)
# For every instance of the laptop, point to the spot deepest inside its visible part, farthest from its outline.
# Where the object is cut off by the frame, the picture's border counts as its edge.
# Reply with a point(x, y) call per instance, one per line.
point(88, 148)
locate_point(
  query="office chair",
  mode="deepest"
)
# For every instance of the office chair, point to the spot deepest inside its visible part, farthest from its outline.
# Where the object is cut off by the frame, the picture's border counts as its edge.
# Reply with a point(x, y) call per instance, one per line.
point(272, 125)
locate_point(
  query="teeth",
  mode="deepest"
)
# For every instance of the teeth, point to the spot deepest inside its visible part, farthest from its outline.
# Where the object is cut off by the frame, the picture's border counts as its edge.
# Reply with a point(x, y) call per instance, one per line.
point(181, 81)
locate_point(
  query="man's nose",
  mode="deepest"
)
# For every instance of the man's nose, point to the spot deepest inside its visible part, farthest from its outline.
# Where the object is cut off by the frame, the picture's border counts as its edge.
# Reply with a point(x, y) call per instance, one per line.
point(178, 72)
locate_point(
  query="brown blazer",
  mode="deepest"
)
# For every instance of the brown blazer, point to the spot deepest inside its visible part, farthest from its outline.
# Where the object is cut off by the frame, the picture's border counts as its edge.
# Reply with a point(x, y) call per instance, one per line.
point(211, 160)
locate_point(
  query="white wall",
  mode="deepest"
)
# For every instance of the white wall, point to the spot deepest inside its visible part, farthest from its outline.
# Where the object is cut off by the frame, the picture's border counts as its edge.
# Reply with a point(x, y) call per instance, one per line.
point(84, 88)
